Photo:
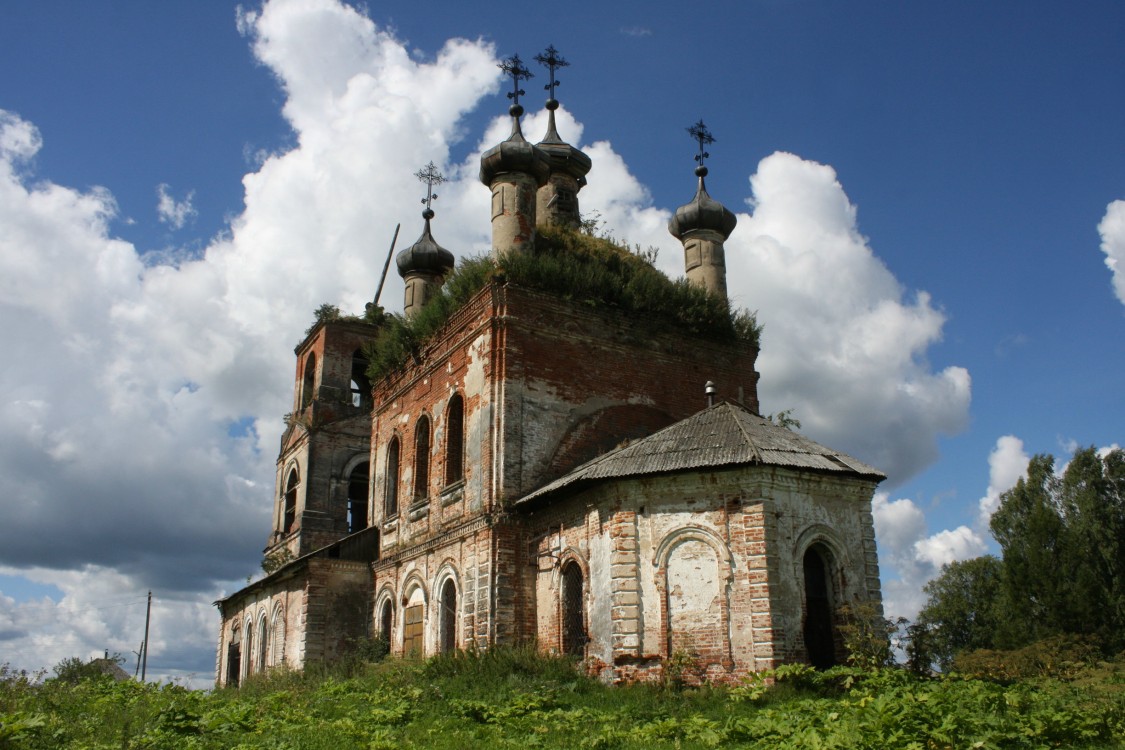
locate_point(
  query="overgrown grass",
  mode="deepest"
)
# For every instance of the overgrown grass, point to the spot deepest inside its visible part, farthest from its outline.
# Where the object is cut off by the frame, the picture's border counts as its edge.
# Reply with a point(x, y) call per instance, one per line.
point(594, 271)
point(514, 698)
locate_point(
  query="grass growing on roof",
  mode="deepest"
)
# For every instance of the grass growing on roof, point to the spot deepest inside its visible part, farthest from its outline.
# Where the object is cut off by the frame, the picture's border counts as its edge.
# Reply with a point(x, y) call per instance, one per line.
point(595, 271)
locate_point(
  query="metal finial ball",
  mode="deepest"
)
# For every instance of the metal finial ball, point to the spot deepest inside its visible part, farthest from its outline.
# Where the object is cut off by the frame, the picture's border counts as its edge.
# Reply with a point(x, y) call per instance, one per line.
point(516, 110)
point(428, 214)
point(701, 171)
point(552, 104)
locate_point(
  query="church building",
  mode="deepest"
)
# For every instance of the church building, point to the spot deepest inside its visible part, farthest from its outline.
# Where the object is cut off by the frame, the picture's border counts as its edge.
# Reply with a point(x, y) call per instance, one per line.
point(573, 469)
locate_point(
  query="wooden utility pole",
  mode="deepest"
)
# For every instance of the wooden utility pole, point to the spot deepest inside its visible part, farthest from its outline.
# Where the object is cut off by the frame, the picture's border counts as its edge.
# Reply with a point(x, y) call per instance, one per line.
point(144, 646)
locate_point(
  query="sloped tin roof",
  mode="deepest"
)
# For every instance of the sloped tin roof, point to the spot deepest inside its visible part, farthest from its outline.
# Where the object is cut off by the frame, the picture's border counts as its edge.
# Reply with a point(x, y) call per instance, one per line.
point(720, 436)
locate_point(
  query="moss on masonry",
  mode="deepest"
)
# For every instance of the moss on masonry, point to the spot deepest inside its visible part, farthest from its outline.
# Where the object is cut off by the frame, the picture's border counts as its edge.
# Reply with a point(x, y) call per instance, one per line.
point(595, 271)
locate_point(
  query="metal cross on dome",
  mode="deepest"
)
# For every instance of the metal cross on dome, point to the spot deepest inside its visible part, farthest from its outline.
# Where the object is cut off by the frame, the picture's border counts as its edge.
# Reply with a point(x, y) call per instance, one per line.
point(514, 67)
point(699, 132)
point(551, 58)
point(430, 175)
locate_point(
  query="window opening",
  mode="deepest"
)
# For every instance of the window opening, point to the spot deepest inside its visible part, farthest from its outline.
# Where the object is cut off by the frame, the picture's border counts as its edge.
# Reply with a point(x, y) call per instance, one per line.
point(308, 381)
point(361, 386)
point(357, 498)
point(454, 447)
point(819, 638)
point(249, 649)
point(573, 611)
point(277, 639)
point(234, 657)
point(391, 497)
point(386, 620)
point(448, 621)
point(264, 644)
point(422, 458)
point(291, 485)
point(412, 630)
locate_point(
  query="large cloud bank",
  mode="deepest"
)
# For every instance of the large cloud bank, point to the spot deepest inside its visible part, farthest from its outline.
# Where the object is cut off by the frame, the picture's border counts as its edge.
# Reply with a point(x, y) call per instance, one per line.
point(143, 393)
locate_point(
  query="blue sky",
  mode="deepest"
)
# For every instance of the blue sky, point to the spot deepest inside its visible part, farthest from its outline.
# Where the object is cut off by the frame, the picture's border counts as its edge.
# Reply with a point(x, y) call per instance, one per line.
point(923, 247)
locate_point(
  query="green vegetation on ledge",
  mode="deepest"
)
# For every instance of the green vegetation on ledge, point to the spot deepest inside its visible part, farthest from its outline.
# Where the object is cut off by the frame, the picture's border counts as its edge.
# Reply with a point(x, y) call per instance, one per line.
point(595, 271)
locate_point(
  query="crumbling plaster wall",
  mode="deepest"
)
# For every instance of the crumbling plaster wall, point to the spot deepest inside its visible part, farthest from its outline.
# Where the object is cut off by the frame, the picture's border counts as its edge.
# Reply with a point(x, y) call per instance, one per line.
point(719, 550)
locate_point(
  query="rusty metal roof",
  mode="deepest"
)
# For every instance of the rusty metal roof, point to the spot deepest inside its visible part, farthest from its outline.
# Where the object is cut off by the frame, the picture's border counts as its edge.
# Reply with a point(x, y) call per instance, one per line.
point(722, 435)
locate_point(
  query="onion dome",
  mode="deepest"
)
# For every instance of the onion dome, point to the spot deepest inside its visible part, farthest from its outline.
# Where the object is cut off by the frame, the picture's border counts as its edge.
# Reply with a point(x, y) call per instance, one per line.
point(564, 157)
point(425, 255)
point(704, 212)
point(515, 154)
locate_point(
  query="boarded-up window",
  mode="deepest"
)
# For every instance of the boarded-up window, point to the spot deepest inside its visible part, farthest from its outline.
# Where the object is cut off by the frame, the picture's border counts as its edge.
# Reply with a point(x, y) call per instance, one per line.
point(391, 496)
point(422, 457)
point(573, 611)
point(412, 630)
point(455, 440)
point(357, 498)
point(447, 637)
point(277, 639)
point(695, 601)
point(819, 637)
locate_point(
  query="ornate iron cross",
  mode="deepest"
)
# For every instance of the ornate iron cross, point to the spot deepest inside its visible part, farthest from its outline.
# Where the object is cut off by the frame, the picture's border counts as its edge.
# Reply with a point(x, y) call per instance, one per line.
point(699, 132)
point(515, 68)
point(430, 175)
point(551, 58)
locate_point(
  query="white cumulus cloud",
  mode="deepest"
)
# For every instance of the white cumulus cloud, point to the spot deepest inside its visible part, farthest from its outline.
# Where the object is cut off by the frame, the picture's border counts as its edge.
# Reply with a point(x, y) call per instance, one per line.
point(1112, 230)
point(172, 212)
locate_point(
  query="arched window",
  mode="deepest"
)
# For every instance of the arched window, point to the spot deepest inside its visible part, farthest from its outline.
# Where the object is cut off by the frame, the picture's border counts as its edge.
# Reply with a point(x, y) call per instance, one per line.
point(390, 499)
point(361, 386)
point(447, 623)
point(573, 611)
point(291, 485)
point(249, 648)
point(422, 457)
point(386, 620)
point(455, 440)
point(308, 381)
point(263, 644)
point(277, 637)
point(820, 639)
point(234, 656)
point(357, 498)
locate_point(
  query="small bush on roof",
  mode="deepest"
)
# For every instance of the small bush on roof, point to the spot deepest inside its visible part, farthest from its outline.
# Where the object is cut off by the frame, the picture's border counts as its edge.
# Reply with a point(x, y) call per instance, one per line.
point(573, 265)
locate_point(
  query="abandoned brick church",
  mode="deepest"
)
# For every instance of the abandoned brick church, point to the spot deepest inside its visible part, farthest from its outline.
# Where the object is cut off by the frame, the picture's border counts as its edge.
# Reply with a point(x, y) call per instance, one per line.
point(545, 469)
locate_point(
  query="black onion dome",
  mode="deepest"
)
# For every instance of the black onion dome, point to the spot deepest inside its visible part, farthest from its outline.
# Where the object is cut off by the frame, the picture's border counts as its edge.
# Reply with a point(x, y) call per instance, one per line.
point(563, 156)
point(515, 155)
point(704, 212)
point(425, 255)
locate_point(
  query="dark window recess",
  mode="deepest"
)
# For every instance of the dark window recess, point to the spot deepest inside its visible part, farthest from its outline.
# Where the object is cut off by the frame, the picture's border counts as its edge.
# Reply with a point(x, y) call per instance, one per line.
point(308, 382)
point(448, 622)
point(819, 638)
point(357, 498)
point(455, 440)
point(386, 618)
point(391, 497)
point(573, 611)
point(234, 659)
point(422, 458)
point(291, 485)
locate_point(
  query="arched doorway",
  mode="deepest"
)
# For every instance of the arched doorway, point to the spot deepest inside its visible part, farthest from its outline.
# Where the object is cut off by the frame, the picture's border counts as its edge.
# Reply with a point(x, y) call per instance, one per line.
point(447, 623)
point(820, 637)
point(573, 611)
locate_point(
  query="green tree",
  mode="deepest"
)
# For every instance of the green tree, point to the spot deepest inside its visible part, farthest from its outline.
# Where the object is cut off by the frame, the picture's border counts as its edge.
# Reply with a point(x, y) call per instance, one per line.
point(962, 610)
point(1063, 544)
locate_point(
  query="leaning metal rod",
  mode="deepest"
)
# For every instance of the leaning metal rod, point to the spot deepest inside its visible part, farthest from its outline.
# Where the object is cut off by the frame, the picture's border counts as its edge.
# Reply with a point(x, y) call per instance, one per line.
point(387, 265)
